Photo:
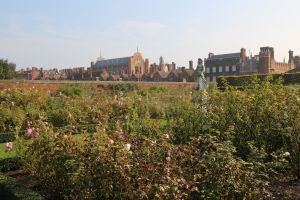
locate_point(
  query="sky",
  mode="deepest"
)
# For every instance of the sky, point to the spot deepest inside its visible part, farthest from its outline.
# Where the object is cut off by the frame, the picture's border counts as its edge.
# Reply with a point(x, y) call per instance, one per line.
point(72, 33)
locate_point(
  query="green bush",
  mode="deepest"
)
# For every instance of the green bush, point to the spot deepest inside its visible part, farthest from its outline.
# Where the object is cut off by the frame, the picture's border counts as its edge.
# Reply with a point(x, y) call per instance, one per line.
point(9, 164)
point(288, 78)
point(7, 137)
point(10, 189)
point(72, 91)
point(95, 168)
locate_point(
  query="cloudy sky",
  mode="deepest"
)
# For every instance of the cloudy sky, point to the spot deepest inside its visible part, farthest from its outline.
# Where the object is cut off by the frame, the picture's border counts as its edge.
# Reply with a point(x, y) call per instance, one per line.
point(71, 33)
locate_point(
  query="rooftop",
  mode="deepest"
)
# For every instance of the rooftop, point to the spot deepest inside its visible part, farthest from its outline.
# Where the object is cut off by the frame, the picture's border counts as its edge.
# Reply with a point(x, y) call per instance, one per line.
point(224, 56)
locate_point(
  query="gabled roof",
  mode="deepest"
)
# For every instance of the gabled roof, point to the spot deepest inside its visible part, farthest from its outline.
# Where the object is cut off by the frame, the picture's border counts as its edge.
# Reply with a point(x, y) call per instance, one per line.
point(224, 56)
point(161, 74)
point(115, 61)
point(190, 72)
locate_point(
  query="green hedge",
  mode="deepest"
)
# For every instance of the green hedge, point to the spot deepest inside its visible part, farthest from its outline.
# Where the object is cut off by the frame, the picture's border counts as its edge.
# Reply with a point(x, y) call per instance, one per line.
point(10, 189)
point(7, 137)
point(9, 164)
point(288, 78)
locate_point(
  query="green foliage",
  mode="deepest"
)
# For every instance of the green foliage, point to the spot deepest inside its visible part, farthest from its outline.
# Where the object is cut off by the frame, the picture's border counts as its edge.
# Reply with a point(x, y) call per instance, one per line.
point(72, 91)
point(288, 78)
point(218, 144)
point(10, 189)
point(152, 169)
point(7, 70)
point(9, 164)
point(7, 137)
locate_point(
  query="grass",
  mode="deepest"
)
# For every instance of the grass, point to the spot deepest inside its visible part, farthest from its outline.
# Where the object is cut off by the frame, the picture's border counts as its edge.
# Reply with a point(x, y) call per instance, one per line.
point(7, 154)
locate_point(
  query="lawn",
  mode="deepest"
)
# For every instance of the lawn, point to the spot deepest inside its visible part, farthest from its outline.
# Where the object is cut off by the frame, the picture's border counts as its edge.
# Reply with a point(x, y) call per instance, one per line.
point(6, 154)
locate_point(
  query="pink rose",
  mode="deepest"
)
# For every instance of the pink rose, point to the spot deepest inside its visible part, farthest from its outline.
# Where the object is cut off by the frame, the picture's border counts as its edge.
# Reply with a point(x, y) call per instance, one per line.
point(8, 146)
point(28, 133)
point(37, 135)
point(111, 142)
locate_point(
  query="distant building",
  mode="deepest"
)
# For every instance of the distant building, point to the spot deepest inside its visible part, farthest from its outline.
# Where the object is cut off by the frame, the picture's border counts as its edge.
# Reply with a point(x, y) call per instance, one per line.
point(224, 64)
point(131, 65)
point(267, 63)
point(240, 64)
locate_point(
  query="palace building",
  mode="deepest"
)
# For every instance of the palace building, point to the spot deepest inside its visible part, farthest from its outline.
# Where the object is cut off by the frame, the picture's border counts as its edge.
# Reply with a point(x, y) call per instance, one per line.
point(132, 65)
point(240, 64)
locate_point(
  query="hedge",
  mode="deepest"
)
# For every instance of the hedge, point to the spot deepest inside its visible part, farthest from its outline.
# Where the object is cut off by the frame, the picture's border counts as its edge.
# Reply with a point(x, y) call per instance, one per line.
point(288, 78)
point(10, 189)
point(7, 137)
point(9, 164)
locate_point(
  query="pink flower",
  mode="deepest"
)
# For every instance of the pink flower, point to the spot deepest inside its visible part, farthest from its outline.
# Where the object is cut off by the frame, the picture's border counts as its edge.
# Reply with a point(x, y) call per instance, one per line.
point(111, 142)
point(37, 135)
point(8, 146)
point(127, 147)
point(28, 133)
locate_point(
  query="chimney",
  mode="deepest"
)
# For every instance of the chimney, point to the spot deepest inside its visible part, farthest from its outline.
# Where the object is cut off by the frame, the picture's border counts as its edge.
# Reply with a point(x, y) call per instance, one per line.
point(191, 64)
point(243, 54)
point(291, 56)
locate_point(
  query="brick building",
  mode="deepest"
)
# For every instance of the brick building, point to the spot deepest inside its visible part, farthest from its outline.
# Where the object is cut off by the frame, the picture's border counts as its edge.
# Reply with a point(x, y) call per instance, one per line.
point(267, 63)
point(131, 65)
point(224, 64)
point(239, 64)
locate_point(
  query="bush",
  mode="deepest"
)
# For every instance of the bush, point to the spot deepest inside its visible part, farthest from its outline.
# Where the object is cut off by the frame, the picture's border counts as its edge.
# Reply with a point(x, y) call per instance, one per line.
point(72, 91)
point(11, 190)
point(7, 137)
point(9, 164)
point(96, 168)
point(288, 78)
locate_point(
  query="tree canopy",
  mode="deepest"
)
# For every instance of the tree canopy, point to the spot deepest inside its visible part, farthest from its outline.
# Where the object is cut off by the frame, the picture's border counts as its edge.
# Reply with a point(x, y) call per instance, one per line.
point(7, 70)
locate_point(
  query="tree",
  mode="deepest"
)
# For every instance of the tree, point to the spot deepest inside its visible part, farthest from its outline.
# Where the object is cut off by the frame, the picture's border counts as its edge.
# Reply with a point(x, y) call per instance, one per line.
point(7, 70)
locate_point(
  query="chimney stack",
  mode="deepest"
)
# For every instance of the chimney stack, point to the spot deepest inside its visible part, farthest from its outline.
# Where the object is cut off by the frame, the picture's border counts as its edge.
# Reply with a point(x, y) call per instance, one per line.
point(291, 56)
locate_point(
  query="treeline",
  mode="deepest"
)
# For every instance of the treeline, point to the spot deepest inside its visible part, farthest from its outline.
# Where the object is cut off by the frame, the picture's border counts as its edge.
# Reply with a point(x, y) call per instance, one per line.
point(7, 69)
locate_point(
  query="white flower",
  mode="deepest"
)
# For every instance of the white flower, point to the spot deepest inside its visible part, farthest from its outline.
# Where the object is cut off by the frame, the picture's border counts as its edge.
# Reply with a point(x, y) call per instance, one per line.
point(167, 136)
point(168, 159)
point(286, 154)
point(127, 147)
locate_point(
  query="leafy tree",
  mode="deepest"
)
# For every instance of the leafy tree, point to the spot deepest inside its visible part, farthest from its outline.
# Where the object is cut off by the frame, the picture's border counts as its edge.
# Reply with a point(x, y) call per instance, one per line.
point(7, 70)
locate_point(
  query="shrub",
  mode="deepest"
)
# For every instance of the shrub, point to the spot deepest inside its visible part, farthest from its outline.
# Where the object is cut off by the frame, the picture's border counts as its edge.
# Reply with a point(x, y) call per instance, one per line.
point(72, 91)
point(97, 168)
point(12, 190)
point(7, 137)
point(9, 164)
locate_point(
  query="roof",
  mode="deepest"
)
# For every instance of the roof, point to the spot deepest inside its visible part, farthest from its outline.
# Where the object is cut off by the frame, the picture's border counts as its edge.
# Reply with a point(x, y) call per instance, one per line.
point(190, 72)
point(161, 74)
point(115, 61)
point(224, 56)
point(297, 69)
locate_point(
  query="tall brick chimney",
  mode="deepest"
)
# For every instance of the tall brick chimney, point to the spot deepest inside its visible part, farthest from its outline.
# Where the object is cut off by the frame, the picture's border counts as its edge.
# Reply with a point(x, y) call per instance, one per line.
point(243, 54)
point(291, 56)
point(191, 64)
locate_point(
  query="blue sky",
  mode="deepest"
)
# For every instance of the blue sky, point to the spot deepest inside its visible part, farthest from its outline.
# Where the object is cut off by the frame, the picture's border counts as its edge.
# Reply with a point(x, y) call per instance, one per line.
point(71, 33)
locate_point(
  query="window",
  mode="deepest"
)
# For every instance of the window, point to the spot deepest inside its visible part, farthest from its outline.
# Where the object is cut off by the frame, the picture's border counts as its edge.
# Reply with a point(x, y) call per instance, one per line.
point(233, 68)
point(207, 79)
point(214, 69)
point(207, 70)
point(220, 69)
point(214, 79)
point(227, 69)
